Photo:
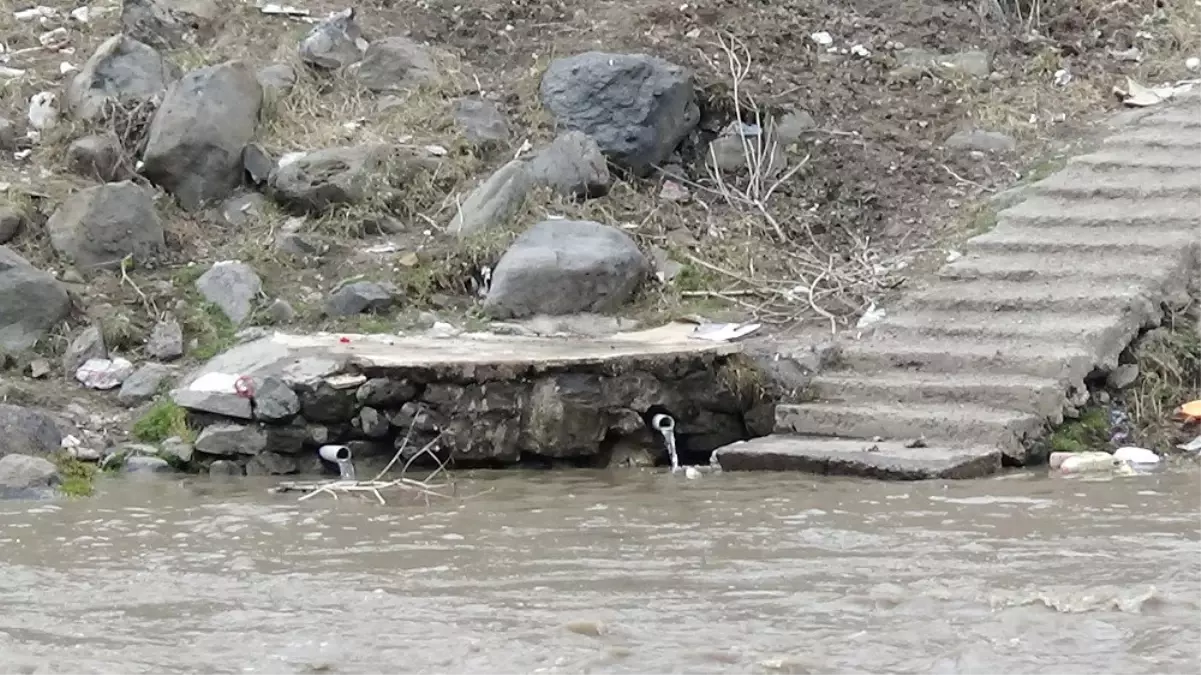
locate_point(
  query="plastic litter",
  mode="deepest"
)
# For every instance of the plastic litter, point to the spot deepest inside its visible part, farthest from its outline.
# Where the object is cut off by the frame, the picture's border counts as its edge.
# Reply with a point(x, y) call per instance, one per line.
point(1192, 446)
point(104, 374)
point(43, 110)
point(1089, 462)
point(1139, 459)
point(1191, 410)
point(723, 332)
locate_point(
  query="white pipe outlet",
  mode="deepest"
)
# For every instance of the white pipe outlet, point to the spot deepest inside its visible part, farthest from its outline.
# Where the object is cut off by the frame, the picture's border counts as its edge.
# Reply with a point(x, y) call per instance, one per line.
point(334, 453)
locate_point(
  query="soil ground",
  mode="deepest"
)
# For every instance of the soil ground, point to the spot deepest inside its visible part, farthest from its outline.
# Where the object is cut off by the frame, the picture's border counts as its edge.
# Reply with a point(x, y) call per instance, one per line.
point(877, 199)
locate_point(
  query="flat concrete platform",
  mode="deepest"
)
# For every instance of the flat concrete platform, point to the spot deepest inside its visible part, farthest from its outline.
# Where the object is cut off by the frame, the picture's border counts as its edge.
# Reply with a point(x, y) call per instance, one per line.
point(886, 460)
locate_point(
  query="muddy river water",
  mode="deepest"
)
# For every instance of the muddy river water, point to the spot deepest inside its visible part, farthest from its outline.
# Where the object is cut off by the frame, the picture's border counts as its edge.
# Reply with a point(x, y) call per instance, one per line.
point(595, 572)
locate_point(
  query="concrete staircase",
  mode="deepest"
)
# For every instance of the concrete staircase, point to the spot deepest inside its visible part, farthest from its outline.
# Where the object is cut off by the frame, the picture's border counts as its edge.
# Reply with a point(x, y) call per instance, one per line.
point(980, 362)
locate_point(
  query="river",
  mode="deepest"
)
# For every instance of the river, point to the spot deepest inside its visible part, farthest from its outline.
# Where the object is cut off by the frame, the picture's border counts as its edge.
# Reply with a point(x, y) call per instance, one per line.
point(595, 572)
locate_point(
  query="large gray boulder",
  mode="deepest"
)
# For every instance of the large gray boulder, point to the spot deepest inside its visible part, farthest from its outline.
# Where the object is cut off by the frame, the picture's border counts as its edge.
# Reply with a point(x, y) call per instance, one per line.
point(99, 226)
point(333, 43)
point(171, 24)
point(637, 107)
point(345, 175)
point(572, 166)
point(232, 286)
point(121, 68)
point(564, 267)
point(194, 148)
point(25, 476)
point(31, 302)
point(26, 431)
point(395, 64)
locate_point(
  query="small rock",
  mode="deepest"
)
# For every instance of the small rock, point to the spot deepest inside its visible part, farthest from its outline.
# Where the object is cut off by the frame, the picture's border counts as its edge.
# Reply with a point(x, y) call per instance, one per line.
point(87, 345)
point(31, 303)
point(258, 163)
point(39, 368)
point(280, 311)
point(171, 24)
point(231, 440)
point(176, 450)
point(143, 385)
point(494, 202)
point(277, 80)
point(241, 209)
point(349, 175)
point(372, 423)
point(224, 468)
point(166, 341)
point(572, 166)
point(143, 464)
point(1122, 377)
point(8, 135)
point(99, 226)
point(984, 141)
point(564, 267)
point(104, 374)
point(194, 145)
point(791, 126)
point(22, 472)
point(275, 401)
point(637, 107)
point(333, 43)
point(121, 68)
point(482, 121)
point(395, 64)
point(233, 287)
point(270, 464)
point(11, 222)
point(359, 297)
point(99, 157)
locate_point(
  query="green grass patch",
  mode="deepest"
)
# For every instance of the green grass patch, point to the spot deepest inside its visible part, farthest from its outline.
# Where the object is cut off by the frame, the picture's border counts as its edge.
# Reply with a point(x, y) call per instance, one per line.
point(78, 478)
point(162, 421)
point(1088, 432)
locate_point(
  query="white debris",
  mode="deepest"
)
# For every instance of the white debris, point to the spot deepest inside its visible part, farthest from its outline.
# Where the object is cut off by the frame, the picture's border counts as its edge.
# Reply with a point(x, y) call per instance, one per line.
point(1062, 77)
point(1136, 456)
point(58, 36)
point(104, 373)
point(822, 38)
point(285, 10)
point(860, 50)
point(1133, 55)
point(871, 317)
point(724, 332)
point(1141, 96)
point(289, 158)
point(436, 150)
point(43, 110)
point(35, 13)
point(526, 146)
point(82, 14)
point(1192, 63)
point(66, 67)
point(69, 442)
point(22, 154)
point(952, 256)
point(1192, 446)
point(11, 73)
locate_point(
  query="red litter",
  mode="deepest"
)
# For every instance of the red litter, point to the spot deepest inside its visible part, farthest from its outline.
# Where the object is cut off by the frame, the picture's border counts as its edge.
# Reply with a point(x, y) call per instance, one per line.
point(344, 340)
point(244, 387)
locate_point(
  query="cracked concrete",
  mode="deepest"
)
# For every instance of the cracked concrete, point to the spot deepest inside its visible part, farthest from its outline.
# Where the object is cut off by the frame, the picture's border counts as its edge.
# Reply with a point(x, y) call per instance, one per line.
point(982, 359)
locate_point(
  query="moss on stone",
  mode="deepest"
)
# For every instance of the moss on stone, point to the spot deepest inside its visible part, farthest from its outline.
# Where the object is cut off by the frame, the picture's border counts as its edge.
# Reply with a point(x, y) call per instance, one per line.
point(78, 478)
point(1088, 432)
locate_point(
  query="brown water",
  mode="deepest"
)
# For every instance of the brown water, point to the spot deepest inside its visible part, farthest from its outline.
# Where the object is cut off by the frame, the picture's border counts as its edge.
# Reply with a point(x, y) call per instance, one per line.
point(596, 572)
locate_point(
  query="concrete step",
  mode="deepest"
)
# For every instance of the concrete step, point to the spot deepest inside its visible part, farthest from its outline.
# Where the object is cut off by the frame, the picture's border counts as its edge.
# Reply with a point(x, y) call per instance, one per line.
point(1156, 136)
point(1084, 181)
point(1049, 326)
point(1085, 241)
point(1183, 116)
point(1151, 213)
point(1037, 395)
point(936, 422)
point(848, 457)
point(1068, 295)
point(1063, 361)
point(1121, 158)
point(1059, 265)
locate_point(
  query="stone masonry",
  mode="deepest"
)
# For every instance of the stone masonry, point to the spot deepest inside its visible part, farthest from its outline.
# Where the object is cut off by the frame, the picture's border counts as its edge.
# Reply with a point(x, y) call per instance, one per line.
point(972, 370)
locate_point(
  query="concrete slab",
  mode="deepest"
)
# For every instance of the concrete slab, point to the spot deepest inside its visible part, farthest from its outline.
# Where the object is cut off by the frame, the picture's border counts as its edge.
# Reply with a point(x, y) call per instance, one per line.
point(306, 359)
point(885, 460)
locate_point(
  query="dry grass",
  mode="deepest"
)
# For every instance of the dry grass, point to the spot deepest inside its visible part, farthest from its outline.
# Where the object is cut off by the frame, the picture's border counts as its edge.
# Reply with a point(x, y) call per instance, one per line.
point(1169, 361)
